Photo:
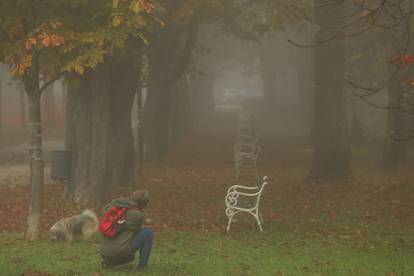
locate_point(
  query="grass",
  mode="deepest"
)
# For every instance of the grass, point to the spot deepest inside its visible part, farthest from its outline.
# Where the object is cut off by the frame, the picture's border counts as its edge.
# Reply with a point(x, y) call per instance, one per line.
point(277, 251)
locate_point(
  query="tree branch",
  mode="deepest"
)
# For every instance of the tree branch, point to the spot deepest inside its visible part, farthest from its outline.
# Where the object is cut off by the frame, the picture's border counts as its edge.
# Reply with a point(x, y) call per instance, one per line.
point(49, 82)
point(186, 52)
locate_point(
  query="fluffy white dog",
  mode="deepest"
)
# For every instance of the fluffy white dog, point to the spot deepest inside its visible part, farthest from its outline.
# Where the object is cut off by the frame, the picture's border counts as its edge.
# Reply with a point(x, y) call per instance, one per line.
point(66, 229)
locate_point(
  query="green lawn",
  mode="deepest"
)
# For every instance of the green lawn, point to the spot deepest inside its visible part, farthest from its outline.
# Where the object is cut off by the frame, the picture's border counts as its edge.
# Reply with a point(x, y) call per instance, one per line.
point(275, 252)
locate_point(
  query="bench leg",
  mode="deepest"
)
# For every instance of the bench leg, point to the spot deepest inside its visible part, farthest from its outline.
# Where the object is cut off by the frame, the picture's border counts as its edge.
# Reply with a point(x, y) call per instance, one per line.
point(229, 223)
point(258, 218)
point(258, 222)
point(261, 218)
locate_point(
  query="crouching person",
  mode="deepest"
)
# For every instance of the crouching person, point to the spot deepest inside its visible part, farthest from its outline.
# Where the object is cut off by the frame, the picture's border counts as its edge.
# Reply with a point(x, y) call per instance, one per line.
point(122, 231)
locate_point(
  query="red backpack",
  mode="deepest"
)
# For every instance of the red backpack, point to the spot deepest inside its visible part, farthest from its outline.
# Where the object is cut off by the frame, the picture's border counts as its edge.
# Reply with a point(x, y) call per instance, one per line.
point(110, 224)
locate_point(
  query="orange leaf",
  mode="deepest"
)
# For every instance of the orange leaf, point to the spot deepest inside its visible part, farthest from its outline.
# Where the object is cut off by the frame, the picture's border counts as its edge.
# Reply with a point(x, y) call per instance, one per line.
point(30, 42)
point(405, 59)
point(46, 41)
point(56, 40)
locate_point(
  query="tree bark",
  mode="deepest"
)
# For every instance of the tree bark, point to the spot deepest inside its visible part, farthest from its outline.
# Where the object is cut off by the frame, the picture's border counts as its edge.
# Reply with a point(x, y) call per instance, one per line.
point(394, 151)
point(169, 57)
point(207, 98)
point(202, 96)
point(99, 133)
point(31, 86)
point(157, 120)
point(357, 127)
point(22, 103)
point(157, 104)
point(49, 108)
point(36, 172)
point(140, 135)
point(1, 107)
point(331, 145)
point(22, 98)
point(181, 112)
point(268, 76)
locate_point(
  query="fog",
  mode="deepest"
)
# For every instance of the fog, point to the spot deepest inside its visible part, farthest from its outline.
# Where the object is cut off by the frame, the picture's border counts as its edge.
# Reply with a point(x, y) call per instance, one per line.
point(295, 119)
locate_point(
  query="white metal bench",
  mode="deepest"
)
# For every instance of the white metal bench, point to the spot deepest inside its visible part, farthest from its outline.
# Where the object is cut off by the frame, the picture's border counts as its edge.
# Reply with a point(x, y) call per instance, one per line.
point(248, 137)
point(245, 147)
point(251, 195)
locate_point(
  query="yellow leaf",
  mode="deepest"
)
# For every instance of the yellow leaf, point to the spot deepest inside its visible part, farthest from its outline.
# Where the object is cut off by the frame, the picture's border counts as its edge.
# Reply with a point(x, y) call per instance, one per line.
point(135, 6)
point(79, 69)
point(116, 21)
point(115, 4)
point(21, 67)
point(56, 24)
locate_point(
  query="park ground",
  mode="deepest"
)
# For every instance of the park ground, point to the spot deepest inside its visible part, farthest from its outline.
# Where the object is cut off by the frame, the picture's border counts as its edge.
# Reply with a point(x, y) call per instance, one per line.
point(364, 226)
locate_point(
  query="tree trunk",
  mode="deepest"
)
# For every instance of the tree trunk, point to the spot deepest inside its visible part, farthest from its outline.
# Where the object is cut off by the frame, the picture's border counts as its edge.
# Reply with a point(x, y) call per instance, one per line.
point(36, 165)
point(99, 132)
point(394, 151)
point(62, 101)
point(157, 119)
point(49, 108)
point(125, 81)
point(331, 145)
point(140, 135)
point(23, 110)
point(305, 64)
point(169, 58)
point(158, 101)
point(268, 77)
point(1, 107)
point(202, 98)
point(22, 103)
point(357, 127)
point(181, 115)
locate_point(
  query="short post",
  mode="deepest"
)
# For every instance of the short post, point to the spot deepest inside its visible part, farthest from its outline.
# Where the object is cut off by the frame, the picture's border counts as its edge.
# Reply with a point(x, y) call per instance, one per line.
point(60, 169)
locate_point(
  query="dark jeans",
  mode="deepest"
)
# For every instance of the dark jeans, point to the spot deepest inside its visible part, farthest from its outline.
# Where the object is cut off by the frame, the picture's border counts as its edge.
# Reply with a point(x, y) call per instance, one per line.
point(142, 241)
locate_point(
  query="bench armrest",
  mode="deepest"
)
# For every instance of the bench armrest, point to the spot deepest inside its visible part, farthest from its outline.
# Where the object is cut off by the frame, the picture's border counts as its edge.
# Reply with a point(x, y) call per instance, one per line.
point(235, 187)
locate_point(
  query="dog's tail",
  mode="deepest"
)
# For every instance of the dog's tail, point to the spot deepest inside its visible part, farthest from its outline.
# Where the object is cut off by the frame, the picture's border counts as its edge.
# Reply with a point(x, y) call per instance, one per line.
point(90, 214)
